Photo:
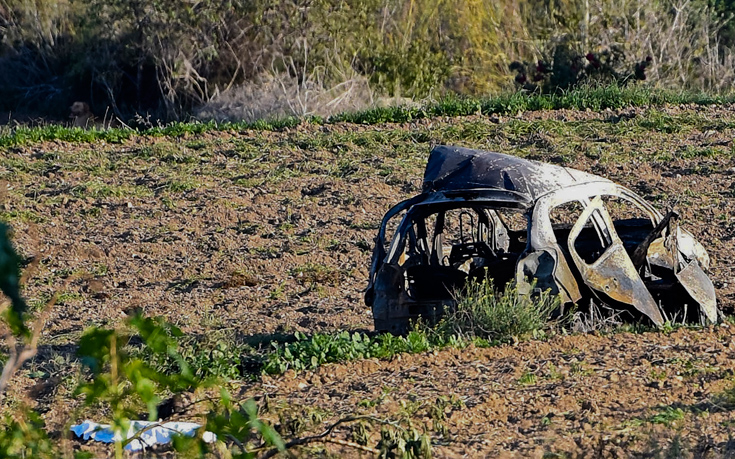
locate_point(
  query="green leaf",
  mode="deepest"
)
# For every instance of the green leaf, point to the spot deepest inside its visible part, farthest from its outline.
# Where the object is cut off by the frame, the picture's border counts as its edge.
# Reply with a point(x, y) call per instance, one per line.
point(94, 348)
point(10, 284)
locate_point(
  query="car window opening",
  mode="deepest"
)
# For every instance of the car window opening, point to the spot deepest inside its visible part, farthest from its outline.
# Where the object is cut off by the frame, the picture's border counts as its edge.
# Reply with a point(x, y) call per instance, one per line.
point(461, 244)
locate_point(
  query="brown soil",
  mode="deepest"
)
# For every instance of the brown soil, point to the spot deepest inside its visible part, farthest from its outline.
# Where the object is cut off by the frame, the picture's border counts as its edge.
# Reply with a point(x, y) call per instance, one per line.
point(257, 233)
point(591, 395)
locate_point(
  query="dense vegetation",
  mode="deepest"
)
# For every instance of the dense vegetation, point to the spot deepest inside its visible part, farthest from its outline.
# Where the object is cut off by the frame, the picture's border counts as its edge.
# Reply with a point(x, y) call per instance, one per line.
point(243, 60)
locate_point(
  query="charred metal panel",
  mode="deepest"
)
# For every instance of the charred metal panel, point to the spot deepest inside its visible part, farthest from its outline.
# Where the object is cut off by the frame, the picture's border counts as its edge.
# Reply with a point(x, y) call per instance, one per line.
point(700, 287)
point(613, 273)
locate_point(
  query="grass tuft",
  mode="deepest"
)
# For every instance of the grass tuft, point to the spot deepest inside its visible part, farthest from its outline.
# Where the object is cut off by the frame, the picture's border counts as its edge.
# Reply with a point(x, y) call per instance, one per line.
point(484, 313)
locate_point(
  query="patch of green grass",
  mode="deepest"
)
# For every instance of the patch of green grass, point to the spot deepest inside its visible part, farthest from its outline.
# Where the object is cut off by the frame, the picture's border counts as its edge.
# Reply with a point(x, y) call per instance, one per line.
point(695, 367)
point(181, 186)
point(196, 144)
point(658, 375)
point(593, 98)
point(22, 135)
point(527, 379)
point(486, 313)
point(692, 152)
point(246, 182)
point(67, 297)
point(278, 292)
point(27, 216)
point(580, 369)
point(314, 273)
point(667, 416)
point(658, 121)
point(554, 374)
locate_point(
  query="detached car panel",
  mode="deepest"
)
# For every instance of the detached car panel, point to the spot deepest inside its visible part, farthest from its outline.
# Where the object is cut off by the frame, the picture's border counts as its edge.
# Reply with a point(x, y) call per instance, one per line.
point(484, 214)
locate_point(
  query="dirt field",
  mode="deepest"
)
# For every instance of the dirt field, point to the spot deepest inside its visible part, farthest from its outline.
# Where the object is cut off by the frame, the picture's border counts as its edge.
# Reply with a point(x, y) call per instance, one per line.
point(266, 233)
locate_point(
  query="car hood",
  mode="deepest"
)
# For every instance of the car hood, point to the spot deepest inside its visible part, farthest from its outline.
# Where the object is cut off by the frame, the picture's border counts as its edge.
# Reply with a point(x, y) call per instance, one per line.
point(455, 168)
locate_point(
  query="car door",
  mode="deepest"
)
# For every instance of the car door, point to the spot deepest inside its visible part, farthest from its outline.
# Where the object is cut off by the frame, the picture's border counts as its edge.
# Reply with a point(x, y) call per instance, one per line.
point(608, 270)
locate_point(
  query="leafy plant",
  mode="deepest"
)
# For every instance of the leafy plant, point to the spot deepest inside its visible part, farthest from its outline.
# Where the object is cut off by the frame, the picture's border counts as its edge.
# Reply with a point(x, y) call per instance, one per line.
point(24, 435)
point(242, 423)
point(10, 285)
point(210, 356)
point(667, 415)
point(311, 352)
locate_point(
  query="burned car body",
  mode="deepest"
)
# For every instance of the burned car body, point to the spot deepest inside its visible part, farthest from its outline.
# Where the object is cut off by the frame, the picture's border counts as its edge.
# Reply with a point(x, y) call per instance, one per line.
point(544, 226)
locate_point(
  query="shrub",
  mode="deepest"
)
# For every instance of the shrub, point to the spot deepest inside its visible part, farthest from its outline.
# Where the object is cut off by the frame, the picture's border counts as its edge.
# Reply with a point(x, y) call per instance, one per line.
point(569, 70)
point(168, 58)
point(485, 313)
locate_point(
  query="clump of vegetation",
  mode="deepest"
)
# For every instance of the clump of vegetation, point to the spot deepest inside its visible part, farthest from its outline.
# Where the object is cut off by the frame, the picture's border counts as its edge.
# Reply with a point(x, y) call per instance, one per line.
point(483, 315)
point(167, 60)
point(567, 70)
point(320, 348)
point(484, 312)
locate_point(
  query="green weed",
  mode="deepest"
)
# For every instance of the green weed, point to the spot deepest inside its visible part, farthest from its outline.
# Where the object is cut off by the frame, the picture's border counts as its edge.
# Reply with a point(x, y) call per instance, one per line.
point(181, 186)
point(667, 415)
point(484, 312)
point(318, 349)
point(527, 379)
point(26, 216)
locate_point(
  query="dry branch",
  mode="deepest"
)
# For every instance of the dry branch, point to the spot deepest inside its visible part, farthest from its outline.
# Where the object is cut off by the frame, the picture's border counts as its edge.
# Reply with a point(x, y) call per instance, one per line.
point(322, 437)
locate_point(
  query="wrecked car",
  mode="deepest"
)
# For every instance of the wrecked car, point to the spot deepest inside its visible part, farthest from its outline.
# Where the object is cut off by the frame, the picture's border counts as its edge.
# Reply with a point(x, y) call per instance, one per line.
point(546, 227)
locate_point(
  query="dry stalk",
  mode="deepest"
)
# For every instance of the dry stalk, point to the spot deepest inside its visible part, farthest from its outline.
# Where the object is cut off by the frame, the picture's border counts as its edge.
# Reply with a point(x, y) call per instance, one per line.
point(322, 437)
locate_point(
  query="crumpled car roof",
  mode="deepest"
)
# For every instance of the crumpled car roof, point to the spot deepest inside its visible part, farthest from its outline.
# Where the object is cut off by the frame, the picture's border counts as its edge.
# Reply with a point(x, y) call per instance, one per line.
point(455, 168)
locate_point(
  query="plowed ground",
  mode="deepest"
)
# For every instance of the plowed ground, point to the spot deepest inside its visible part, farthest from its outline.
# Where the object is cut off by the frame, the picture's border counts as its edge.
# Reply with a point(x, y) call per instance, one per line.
point(261, 234)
